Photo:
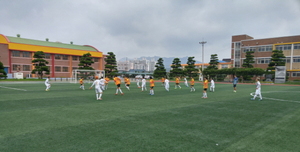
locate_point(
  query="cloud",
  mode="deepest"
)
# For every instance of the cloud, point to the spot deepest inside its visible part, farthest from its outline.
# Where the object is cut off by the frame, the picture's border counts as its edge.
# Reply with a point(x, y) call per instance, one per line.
point(133, 28)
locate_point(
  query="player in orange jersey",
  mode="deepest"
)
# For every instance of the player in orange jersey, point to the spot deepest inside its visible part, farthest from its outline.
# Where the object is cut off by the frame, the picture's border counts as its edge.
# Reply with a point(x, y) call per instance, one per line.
point(127, 82)
point(192, 84)
point(151, 86)
point(117, 81)
point(177, 83)
point(163, 81)
point(205, 86)
point(106, 82)
point(81, 83)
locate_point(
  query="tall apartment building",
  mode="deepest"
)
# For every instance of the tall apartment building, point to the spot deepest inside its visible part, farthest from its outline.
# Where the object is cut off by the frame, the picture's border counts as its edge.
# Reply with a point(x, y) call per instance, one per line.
point(137, 64)
point(16, 54)
point(290, 45)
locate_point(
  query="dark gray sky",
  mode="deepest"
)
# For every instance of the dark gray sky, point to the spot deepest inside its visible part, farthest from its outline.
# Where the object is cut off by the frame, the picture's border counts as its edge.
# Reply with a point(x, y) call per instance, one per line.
point(166, 28)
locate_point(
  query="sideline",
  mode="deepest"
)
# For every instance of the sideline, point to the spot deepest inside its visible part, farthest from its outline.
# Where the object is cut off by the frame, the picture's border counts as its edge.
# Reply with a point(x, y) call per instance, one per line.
point(12, 88)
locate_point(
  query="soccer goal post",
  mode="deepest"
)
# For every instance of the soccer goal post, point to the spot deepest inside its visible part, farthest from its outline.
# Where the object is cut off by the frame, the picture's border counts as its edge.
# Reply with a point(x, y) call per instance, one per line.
point(88, 75)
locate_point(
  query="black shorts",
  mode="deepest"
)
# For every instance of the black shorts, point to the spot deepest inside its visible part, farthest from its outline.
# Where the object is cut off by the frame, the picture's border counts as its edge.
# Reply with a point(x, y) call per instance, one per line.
point(204, 89)
point(127, 85)
point(118, 85)
point(234, 85)
point(81, 84)
point(151, 87)
point(192, 85)
point(177, 83)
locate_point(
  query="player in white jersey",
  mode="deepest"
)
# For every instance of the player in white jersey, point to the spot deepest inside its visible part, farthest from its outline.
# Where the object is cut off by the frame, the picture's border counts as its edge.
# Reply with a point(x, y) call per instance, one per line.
point(144, 84)
point(212, 85)
point(47, 83)
point(258, 90)
point(167, 86)
point(102, 83)
point(98, 89)
point(185, 82)
point(138, 82)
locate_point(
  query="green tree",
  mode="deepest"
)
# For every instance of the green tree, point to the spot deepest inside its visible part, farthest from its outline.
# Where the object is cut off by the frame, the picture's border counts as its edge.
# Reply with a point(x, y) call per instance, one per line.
point(211, 70)
point(249, 60)
point(277, 59)
point(160, 70)
point(40, 64)
point(111, 65)
point(3, 74)
point(190, 69)
point(86, 61)
point(176, 68)
point(213, 63)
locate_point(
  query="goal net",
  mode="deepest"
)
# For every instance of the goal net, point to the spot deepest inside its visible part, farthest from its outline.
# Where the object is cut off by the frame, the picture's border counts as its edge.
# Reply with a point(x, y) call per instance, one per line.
point(88, 75)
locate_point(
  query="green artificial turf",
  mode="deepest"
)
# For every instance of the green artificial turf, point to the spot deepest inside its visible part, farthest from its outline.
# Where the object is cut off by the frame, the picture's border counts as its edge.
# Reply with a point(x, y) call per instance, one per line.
point(69, 119)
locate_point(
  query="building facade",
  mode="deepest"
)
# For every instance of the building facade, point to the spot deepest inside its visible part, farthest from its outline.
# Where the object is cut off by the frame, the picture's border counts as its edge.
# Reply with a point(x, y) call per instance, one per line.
point(138, 65)
point(16, 54)
point(290, 45)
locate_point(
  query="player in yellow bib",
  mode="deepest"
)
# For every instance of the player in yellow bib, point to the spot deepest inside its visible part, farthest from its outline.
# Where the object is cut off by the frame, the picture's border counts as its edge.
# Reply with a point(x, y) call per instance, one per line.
point(192, 84)
point(151, 86)
point(81, 83)
point(205, 86)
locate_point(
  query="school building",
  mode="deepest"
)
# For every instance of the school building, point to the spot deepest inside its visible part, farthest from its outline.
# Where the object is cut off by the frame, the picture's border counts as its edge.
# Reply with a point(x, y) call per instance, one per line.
point(290, 45)
point(16, 54)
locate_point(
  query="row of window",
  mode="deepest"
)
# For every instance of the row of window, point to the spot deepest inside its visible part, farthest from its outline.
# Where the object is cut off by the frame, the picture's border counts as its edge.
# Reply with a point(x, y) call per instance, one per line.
point(269, 48)
point(17, 67)
point(268, 60)
point(48, 56)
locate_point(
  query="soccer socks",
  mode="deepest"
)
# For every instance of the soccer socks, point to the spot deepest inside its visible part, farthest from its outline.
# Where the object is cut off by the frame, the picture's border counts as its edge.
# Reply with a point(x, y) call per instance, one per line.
point(120, 91)
point(100, 95)
point(151, 92)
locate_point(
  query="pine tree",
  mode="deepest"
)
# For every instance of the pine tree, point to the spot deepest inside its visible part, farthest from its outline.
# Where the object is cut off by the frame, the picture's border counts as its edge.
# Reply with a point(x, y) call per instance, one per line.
point(249, 60)
point(213, 63)
point(160, 70)
point(40, 64)
point(278, 59)
point(190, 69)
point(176, 68)
point(86, 61)
point(111, 65)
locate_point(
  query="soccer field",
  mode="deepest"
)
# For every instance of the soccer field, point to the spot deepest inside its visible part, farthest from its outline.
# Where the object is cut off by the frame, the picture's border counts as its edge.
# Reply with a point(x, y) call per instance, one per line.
point(68, 119)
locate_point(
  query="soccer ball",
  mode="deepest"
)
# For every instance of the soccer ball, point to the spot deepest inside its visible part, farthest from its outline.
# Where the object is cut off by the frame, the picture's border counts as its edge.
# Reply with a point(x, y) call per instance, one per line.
point(252, 94)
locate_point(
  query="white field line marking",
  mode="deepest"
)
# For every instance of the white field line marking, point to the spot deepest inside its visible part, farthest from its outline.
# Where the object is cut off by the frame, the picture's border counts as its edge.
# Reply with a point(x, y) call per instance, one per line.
point(13, 88)
point(281, 99)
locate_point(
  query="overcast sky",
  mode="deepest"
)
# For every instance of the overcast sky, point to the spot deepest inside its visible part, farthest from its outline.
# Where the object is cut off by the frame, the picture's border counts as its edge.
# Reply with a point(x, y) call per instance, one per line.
point(135, 28)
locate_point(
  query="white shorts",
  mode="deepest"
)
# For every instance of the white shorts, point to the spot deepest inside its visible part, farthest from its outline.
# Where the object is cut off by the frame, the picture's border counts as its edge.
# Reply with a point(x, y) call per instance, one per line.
point(257, 91)
point(98, 90)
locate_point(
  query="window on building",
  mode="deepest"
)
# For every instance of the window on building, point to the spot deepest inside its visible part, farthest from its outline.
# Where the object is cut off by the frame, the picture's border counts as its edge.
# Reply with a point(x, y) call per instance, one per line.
point(284, 47)
point(26, 54)
point(265, 48)
point(47, 56)
point(74, 68)
point(296, 59)
point(26, 67)
point(57, 56)
point(74, 58)
point(296, 74)
point(287, 60)
point(288, 74)
point(15, 53)
point(263, 60)
point(96, 59)
point(16, 67)
point(238, 45)
point(237, 63)
point(65, 69)
point(247, 49)
point(65, 57)
point(297, 46)
point(237, 54)
point(57, 69)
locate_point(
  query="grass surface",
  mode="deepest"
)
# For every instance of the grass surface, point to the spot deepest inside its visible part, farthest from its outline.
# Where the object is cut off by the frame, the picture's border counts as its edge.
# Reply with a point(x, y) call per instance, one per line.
point(69, 119)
